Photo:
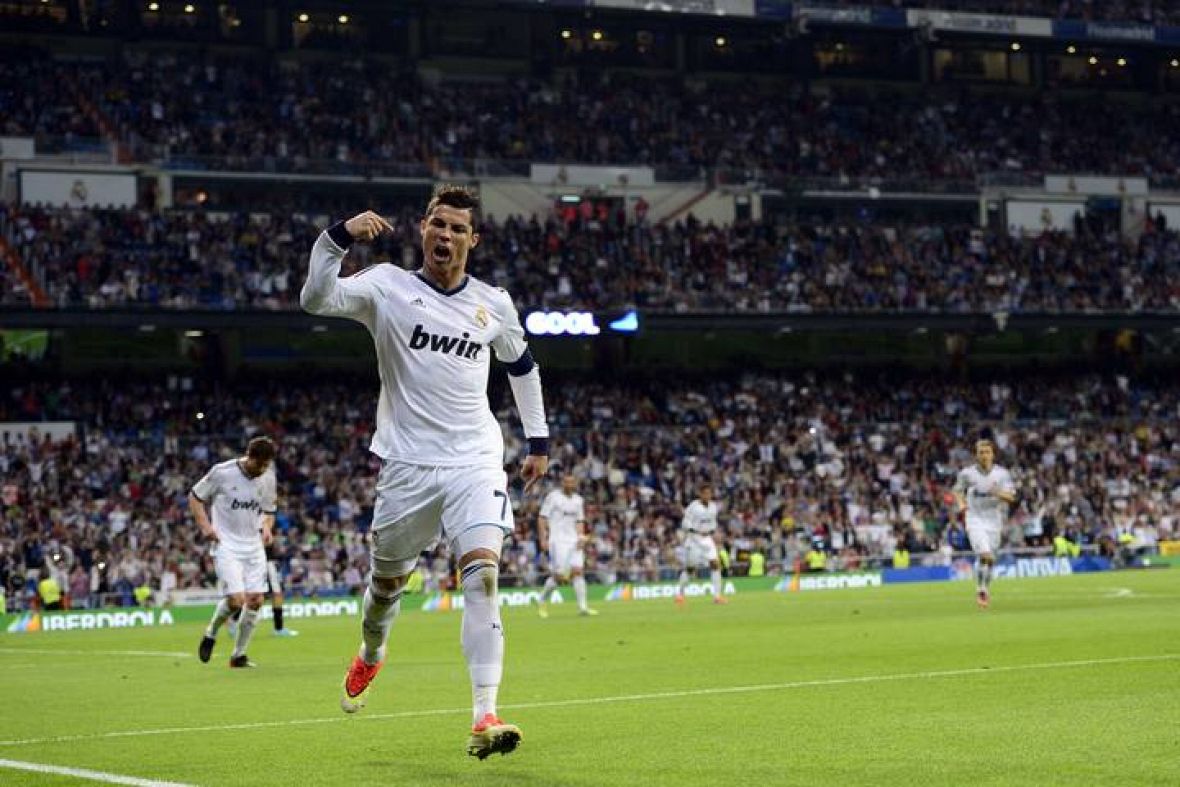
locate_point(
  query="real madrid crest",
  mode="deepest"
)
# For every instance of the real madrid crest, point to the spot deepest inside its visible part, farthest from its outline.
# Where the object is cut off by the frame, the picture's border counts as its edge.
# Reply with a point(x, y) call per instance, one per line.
point(481, 317)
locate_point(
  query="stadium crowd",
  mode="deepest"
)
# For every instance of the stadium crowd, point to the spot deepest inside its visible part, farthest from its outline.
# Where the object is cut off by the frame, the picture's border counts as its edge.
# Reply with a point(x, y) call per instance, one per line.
point(852, 466)
point(286, 116)
point(38, 100)
point(181, 259)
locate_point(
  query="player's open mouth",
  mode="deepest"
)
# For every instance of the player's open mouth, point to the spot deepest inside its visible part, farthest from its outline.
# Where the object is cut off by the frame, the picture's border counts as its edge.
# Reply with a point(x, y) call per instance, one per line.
point(441, 254)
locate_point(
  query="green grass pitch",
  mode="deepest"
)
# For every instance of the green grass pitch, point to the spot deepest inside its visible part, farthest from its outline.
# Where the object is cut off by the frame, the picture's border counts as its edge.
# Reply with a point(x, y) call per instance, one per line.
point(1071, 680)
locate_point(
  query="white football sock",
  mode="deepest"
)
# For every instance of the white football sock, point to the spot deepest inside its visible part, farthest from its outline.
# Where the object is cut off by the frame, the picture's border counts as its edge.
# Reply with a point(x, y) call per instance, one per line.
point(683, 582)
point(245, 631)
point(220, 615)
point(579, 583)
point(483, 635)
point(548, 588)
point(715, 575)
point(380, 612)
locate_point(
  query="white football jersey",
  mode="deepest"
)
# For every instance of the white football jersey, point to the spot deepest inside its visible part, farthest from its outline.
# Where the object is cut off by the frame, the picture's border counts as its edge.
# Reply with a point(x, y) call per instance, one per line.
point(236, 504)
point(700, 517)
point(564, 512)
point(984, 510)
point(433, 355)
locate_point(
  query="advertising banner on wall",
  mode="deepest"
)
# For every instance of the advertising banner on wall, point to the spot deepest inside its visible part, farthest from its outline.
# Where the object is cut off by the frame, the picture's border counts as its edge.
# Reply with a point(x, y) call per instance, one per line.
point(1039, 216)
point(1096, 185)
point(956, 22)
point(710, 7)
point(137, 617)
point(1076, 29)
point(851, 15)
point(76, 189)
point(590, 176)
point(825, 581)
point(16, 148)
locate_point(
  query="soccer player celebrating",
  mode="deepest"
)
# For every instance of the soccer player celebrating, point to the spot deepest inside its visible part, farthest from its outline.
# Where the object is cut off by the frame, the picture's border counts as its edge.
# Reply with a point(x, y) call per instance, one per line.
point(561, 529)
point(984, 491)
point(242, 495)
point(699, 523)
point(442, 449)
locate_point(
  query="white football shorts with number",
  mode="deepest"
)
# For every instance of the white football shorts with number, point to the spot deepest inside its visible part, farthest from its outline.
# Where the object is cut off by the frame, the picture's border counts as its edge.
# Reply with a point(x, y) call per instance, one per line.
point(419, 504)
point(699, 549)
point(984, 540)
point(564, 556)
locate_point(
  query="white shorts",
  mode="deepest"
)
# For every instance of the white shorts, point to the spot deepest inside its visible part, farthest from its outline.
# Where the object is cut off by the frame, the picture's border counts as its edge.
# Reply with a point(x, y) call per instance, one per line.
point(699, 549)
point(564, 556)
point(417, 505)
point(983, 540)
point(240, 574)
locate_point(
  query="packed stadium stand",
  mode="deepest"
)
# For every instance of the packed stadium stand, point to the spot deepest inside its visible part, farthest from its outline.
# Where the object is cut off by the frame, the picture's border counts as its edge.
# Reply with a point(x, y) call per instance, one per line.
point(189, 259)
point(190, 111)
point(856, 462)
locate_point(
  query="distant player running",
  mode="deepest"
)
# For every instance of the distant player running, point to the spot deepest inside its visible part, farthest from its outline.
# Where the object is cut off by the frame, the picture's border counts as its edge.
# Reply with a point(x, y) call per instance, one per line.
point(561, 529)
point(699, 524)
point(442, 474)
point(984, 491)
point(242, 495)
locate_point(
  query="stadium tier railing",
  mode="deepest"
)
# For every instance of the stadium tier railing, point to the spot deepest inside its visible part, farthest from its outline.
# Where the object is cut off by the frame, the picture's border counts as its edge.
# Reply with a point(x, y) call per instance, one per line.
point(296, 165)
point(758, 178)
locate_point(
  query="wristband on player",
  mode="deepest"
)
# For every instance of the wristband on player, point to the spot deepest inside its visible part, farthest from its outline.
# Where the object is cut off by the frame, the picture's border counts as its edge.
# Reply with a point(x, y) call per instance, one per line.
point(538, 446)
point(340, 235)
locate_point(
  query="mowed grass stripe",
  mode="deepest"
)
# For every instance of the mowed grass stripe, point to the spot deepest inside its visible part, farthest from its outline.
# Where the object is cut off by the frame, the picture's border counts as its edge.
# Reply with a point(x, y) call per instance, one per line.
point(621, 698)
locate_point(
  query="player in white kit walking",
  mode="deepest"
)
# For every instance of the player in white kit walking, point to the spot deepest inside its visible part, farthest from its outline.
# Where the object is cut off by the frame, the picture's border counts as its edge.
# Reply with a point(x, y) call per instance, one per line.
point(442, 475)
point(241, 493)
point(699, 524)
point(561, 527)
point(984, 491)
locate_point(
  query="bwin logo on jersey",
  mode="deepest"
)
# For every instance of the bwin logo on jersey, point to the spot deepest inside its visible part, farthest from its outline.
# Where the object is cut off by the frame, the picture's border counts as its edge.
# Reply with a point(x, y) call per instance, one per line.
point(247, 505)
point(424, 340)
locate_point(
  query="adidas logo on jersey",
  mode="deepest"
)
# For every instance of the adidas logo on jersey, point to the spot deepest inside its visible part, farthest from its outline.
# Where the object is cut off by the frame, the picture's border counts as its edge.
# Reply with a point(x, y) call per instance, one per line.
point(418, 302)
point(439, 343)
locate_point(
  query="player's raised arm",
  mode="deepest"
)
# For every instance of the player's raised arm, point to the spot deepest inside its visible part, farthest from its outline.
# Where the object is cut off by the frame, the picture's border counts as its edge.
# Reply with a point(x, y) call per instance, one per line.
point(524, 377)
point(324, 292)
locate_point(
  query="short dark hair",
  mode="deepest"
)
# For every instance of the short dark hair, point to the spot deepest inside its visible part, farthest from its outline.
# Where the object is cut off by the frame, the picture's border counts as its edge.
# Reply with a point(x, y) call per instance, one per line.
point(455, 196)
point(261, 449)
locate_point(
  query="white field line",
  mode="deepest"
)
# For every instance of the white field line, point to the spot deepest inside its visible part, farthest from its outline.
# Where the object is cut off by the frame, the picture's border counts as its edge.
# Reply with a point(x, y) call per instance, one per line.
point(82, 773)
point(171, 654)
point(619, 698)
